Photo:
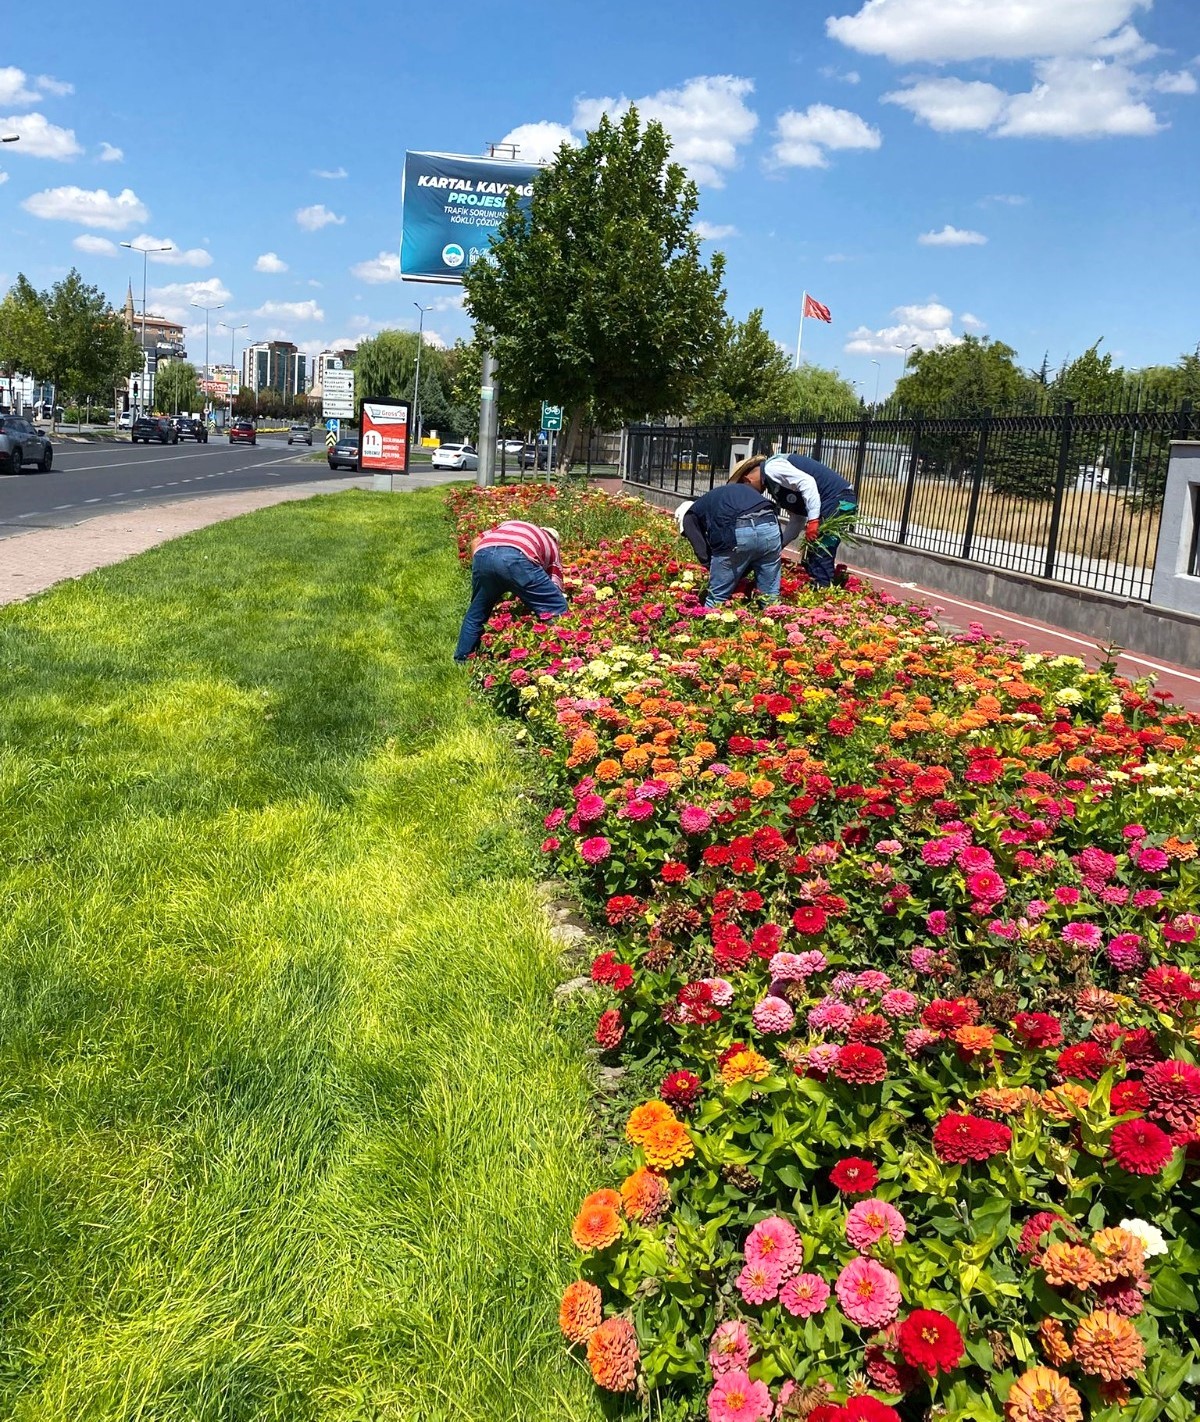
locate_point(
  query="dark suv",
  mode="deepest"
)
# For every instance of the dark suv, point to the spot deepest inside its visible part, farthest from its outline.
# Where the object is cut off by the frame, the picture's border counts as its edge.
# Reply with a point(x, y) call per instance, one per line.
point(191, 429)
point(154, 427)
point(21, 445)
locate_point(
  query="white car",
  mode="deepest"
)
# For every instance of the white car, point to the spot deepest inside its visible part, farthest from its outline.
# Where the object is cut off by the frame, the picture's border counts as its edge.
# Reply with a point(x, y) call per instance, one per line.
point(455, 456)
point(125, 420)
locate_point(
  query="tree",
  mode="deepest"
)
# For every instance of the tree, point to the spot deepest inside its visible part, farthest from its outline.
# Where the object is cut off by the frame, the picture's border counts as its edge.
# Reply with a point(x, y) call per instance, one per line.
point(176, 387)
point(814, 390)
point(24, 331)
point(974, 375)
point(597, 299)
point(752, 380)
point(1090, 381)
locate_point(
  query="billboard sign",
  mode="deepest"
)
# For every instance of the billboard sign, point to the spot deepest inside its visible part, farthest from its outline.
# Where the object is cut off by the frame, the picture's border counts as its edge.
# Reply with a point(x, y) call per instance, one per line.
point(383, 436)
point(452, 205)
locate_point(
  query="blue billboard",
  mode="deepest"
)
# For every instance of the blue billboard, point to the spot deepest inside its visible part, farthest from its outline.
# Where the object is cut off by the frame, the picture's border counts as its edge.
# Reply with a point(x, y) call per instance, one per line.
point(451, 207)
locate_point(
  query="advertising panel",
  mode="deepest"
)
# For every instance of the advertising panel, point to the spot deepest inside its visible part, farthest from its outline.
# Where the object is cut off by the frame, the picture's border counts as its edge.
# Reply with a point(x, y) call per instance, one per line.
point(383, 436)
point(451, 207)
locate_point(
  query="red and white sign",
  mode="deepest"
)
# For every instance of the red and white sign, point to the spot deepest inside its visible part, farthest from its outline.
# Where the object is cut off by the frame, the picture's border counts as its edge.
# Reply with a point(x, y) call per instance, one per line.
point(383, 436)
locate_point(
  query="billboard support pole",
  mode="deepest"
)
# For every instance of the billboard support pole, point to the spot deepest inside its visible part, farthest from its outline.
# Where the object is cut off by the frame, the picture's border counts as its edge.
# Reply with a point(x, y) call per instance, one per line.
point(487, 422)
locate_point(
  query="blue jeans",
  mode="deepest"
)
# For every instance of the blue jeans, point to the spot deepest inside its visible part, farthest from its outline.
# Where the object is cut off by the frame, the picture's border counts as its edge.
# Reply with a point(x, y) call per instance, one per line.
point(821, 562)
point(495, 573)
point(758, 548)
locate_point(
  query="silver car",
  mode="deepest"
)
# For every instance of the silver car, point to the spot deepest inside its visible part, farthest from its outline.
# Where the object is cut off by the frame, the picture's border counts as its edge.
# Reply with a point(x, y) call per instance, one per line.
point(300, 432)
point(22, 444)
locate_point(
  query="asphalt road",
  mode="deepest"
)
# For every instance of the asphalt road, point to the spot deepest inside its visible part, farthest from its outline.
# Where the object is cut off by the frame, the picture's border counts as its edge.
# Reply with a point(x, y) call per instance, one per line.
point(88, 479)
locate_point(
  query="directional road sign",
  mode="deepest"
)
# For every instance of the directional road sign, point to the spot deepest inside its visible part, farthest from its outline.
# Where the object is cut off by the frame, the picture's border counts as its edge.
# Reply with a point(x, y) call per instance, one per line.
point(332, 430)
point(337, 394)
point(551, 416)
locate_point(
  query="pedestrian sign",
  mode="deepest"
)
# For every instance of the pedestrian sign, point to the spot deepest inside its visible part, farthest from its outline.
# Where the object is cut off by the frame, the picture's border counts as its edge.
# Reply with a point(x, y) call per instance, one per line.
point(551, 416)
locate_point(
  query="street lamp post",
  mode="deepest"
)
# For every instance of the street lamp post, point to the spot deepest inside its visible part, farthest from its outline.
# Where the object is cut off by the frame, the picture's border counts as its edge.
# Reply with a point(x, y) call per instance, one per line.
point(145, 251)
point(417, 376)
point(875, 401)
point(915, 346)
point(233, 330)
point(207, 310)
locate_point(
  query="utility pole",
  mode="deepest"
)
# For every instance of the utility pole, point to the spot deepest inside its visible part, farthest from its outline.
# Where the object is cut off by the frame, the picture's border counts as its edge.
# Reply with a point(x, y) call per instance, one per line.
point(488, 393)
point(207, 372)
point(145, 251)
point(233, 330)
point(416, 399)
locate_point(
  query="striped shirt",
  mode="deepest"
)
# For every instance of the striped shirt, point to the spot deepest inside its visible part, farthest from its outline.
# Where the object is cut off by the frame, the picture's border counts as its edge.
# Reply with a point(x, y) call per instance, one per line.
point(535, 543)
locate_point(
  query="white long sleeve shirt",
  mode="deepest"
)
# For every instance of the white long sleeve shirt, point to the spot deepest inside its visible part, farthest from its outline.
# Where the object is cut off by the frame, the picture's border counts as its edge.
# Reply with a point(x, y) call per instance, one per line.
point(781, 469)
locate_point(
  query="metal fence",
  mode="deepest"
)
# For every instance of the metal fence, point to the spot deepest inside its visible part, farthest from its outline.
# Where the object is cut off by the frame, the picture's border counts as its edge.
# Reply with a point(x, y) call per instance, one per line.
point(1067, 496)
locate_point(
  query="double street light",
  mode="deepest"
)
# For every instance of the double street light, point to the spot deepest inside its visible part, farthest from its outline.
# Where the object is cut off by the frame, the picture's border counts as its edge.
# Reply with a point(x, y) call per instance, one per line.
point(233, 330)
point(145, 251)
point(207, 310)
point(417, 376)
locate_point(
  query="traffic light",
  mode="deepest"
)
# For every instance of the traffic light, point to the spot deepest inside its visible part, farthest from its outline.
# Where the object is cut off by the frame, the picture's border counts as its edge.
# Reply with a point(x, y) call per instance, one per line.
point(135, 389)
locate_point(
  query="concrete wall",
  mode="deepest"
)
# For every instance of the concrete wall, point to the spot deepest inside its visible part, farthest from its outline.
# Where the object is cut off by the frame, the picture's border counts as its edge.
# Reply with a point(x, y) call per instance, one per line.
point(1176, 577)
point(1174, 636)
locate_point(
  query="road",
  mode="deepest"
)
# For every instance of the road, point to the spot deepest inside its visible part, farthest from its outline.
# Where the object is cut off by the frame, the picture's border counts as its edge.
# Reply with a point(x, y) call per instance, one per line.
point(88, 479)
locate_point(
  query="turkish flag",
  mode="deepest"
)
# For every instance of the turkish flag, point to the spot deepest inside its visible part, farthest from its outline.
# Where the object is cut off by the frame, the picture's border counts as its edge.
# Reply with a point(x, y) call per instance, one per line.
point(813, 307)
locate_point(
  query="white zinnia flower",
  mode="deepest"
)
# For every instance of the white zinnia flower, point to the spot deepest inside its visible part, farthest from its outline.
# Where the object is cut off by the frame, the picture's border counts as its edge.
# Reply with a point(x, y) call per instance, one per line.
point(1153, 1240)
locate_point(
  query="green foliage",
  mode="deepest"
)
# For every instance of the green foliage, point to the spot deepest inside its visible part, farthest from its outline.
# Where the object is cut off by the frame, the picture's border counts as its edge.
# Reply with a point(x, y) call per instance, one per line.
point(599, 300)
point(176, 387)
point(815, 390)
point(25, 339)
point(291, 1130)
point(386, 367)
point(1091, 382)
point(752, 380)
point(976, 375)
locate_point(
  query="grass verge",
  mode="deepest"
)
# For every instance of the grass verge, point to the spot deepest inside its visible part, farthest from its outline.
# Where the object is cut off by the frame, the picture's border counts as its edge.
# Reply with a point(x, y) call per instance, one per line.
point(289, 1129)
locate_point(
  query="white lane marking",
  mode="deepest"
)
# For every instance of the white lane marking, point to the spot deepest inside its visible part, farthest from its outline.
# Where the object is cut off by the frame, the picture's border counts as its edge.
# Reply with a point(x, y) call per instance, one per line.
point(91, 501)
point(147, 458)
point(939, 600)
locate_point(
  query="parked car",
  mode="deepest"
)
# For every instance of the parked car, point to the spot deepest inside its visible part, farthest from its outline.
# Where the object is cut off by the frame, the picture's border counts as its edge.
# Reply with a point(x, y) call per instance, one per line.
point(125, 420)
point(243, 432)
point(455, 456)
point(154, 427)
point(300, 432)
point(344, 453)
point(532, 454)
point(191, 429)
point(22, 444)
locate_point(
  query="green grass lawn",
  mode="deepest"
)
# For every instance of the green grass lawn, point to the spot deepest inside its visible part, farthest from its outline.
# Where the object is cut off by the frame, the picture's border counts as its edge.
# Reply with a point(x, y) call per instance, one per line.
point(288, 1127)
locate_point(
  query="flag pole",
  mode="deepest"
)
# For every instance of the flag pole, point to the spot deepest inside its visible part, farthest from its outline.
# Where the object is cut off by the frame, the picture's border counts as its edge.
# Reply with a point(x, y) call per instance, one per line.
point(800, 332)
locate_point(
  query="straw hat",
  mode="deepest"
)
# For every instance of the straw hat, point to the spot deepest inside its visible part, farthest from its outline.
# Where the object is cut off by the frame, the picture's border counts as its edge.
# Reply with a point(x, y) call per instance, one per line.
point(744, 467)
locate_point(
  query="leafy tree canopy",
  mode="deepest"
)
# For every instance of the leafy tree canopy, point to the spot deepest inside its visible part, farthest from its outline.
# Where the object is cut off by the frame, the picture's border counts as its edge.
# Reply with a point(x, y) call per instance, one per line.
point(975, 375)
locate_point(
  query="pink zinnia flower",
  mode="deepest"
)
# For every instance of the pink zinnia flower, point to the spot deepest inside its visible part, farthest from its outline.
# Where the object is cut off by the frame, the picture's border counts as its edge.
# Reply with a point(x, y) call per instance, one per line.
point(636, 810)
point(590, 807)
point(720, 990)
point(868, 1293)
point(919, 1040)
point(804, 1294)
point(554, 818)
point(1086, 935)
point(830, 1015)
point(938, 923)
point(773, 1014)
point(937, 852)
point(872, 980)
point(974, 858)
point(735, 1398)
point(694, 820)
point(759, 1281)
point(774, 1241)
point(595, 850)
point(869, 1221)
point(729, 1348)
point(898, 1003)
point(822, 1058)
point(986, 887)
point(1152, 860)
point(1124, 952)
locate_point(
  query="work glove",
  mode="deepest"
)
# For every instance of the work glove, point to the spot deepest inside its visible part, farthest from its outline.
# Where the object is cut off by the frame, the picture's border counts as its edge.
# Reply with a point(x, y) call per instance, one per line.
point(811, 529)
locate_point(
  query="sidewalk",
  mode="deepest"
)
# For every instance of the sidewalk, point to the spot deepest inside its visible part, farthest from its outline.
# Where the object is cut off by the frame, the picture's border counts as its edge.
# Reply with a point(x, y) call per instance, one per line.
point(34, 561)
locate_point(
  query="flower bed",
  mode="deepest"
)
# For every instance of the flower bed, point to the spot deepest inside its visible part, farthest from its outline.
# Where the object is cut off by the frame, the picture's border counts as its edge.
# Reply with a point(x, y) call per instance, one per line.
point(904, 932)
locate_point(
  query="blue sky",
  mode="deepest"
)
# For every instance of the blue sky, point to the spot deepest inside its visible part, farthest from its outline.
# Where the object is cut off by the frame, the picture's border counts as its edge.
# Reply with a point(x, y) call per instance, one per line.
point(1024, 168)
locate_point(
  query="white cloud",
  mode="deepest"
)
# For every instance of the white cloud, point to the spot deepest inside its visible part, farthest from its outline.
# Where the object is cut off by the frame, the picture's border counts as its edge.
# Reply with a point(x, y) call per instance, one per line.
point(3, 177)
point(908, 31)
point(40, 138)
point(291, 311)
point(89, 209)
point(269, 262)
point(16, 87)
point(95, 246)
point(849, 76)
point(951, 105)
point(177, 256)
point(838, 257)
point(1007, 199)
point(312, 219)
point(1078, 98)
point(1182, 81)
point(384, 267)
point(975, 322)
point(212, 292)
point(110, 153)
point(804, 138)
point(952, 237)
point(330, 173)
point(714, 231)
point(58, 87)
point(707, 119)
point(539, 142)
point(926, 325)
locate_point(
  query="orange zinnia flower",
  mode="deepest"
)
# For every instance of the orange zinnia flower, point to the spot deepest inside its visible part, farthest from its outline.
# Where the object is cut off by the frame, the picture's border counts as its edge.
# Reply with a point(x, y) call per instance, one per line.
point(1041, 1395)
point(761, 788)
point(603, 1197)
point(1108, 1346)
point(595, 1227)
point(641, 1118)
point(1054, 1342)
point(583, 748)
point(580, 1312)
point(1071, 1266)
point(1121, 1253)
point(608, 770)
point(612, 1354)
point(1065, 1102)
point(667, 1144)
point(974, 1040)
point(645, 1196)
point(746, 1065)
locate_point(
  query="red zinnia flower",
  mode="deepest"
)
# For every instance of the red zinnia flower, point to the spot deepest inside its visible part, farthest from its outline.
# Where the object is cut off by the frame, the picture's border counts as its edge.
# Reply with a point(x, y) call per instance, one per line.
point(1173, 1088)
point(860, 1064)
point(1085, 1061)
point(1038, 1029)
point(1141, 1147)
point(1168, 988)
point(610, 1030)
point(854, 1176)
point(866, 1409)
point(809, 920)
point(944, 1014)
point(680, 1089)
point(958, 1138)
point(929, 1341)
point(1128, 1096)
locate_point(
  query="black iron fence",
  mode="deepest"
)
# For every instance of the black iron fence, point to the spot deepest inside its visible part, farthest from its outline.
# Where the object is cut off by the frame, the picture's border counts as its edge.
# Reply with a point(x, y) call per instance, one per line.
point(1067, 496)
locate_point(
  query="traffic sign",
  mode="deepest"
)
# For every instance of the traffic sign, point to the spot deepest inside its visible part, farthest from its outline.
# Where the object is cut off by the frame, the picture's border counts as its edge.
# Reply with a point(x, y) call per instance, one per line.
point(551, 416)
point(337, 394)
point(332, 430)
